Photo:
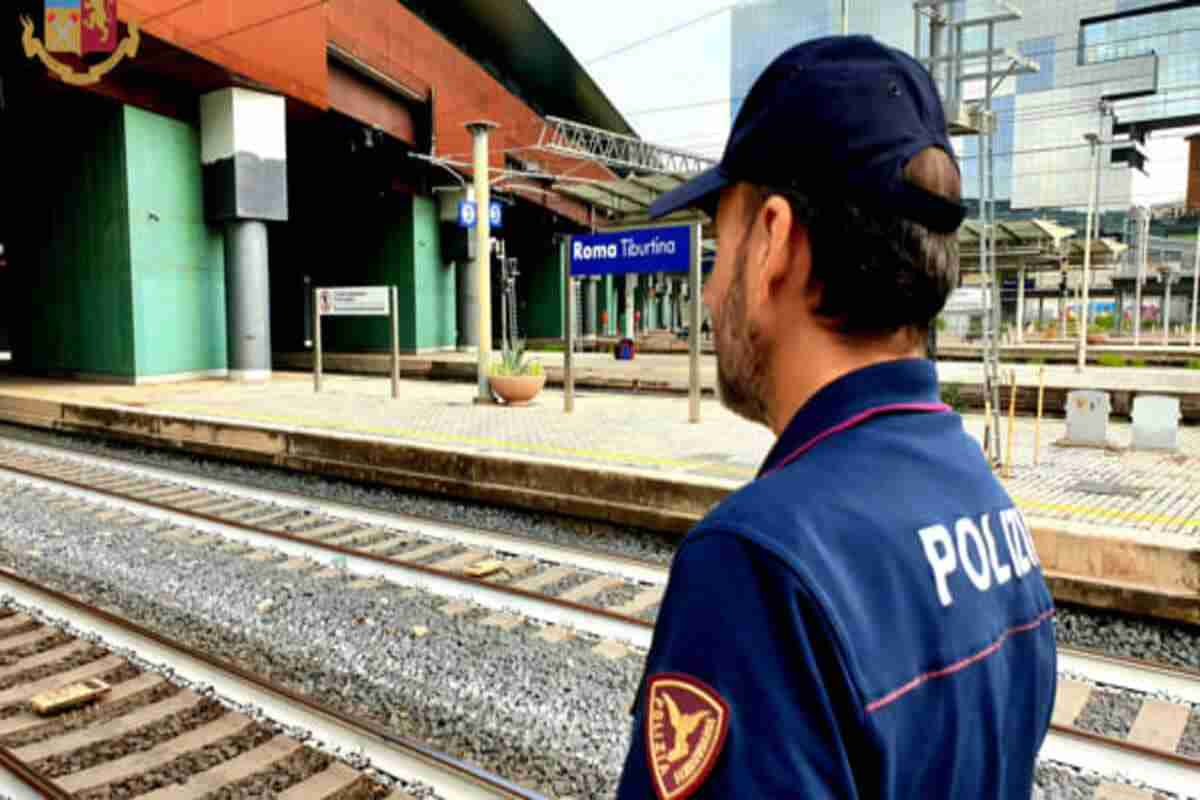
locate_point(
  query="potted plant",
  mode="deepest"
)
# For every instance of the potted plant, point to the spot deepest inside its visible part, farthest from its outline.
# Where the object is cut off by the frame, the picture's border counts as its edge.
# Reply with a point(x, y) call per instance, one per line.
point(515, 380)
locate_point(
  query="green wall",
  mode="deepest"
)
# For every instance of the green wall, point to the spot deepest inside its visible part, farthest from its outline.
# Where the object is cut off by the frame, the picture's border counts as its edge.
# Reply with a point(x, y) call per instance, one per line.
point(119, 276)
point(73, 308)
point(177, 260)
point(540, 294)
point(432, 304)
point(390, 242)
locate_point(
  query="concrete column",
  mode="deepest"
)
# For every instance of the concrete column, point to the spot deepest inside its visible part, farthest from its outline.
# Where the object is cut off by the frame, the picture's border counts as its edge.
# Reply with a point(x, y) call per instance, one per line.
point(466, 287)
point(591, 307)
point(243, 144)
point(247, 300)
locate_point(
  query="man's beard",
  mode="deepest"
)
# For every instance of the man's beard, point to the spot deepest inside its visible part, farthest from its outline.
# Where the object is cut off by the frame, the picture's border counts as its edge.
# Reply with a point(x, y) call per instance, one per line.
point(742, 380)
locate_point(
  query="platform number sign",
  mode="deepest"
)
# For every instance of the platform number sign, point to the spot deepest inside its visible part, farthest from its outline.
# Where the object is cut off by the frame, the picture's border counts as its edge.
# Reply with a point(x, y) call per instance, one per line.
point(468, 213)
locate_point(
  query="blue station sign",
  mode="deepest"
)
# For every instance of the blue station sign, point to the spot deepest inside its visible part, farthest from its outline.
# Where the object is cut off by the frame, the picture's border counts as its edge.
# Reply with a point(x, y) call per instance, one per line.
point(633, 251)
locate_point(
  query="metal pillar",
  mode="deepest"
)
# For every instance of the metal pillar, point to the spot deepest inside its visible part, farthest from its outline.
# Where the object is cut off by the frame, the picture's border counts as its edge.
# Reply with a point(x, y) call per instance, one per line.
point(590, 307)
point(1143, 257)
point(1087, 252)
point(1021, 306)
point(316, 323)
point(483, 253)
point(394, 297)
point(695, 281)
point(248, 300)
point(1195, 288)
point(630, 302)
point(845, 17)
point(568, 329)
point(1166, 307)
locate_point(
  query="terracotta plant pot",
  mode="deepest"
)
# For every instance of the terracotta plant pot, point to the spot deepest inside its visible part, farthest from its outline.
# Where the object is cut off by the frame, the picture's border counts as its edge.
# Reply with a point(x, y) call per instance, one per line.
point(517, 390)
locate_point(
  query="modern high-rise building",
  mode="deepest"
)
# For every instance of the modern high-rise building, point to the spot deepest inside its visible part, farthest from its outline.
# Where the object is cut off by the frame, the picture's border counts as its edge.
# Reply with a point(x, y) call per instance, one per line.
point(1140, 58)
point(1141, 55)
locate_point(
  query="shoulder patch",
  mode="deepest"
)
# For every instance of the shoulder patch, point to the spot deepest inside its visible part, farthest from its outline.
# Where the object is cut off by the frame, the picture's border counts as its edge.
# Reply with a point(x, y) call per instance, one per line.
point(686, 723)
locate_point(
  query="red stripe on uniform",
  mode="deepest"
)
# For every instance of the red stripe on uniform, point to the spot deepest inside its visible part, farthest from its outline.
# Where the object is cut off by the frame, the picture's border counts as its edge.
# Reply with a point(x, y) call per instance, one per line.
point(957, 666)
point(858, 419)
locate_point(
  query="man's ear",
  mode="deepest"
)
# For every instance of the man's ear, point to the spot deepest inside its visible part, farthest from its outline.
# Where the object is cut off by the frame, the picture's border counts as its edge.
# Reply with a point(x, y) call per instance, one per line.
point(783, 252)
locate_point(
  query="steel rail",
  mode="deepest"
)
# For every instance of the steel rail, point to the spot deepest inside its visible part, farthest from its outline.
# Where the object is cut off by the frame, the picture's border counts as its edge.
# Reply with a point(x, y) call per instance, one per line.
point(599, 621)
point(1158, 769)
point(630, 568)
point(1131, 673)
point(23, 779)
point(387, 751)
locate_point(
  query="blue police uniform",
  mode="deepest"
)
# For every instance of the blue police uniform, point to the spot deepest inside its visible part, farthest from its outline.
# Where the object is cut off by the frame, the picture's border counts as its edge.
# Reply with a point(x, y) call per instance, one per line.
point(866, 619)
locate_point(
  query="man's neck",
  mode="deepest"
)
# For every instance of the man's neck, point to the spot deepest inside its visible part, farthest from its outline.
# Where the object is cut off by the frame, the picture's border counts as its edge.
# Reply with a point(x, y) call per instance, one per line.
point(800, 372)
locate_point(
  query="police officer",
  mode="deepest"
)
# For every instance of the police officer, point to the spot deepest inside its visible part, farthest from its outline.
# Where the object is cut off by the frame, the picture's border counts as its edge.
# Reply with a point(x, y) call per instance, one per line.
point(868, 617)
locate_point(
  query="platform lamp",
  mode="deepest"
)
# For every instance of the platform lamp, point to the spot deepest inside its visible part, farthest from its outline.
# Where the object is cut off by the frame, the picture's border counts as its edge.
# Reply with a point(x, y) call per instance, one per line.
point(483, 250)
point(1192, 203)
point(1094, 141)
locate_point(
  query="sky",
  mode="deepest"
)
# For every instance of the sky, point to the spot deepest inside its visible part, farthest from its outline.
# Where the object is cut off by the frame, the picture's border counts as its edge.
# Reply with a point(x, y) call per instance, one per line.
point(647, 82)
point(674, 89)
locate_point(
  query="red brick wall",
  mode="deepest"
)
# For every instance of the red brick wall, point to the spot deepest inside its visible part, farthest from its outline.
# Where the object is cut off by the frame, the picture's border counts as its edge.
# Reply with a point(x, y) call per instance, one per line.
point(278, 42)
point(389, 37)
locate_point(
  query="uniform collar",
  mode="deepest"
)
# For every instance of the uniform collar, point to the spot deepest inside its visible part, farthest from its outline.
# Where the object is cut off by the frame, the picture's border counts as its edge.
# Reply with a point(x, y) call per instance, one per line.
point(894, 386)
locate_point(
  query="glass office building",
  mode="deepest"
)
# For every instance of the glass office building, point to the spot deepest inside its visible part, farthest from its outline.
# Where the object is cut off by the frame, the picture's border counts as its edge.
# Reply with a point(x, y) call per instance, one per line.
point(1141, 55)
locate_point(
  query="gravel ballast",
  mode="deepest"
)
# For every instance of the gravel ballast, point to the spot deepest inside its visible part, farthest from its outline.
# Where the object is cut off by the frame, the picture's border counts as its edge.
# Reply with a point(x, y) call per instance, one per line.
point(1122, 635)
point(550, 716)
point(1055, 781)
point(597, 535)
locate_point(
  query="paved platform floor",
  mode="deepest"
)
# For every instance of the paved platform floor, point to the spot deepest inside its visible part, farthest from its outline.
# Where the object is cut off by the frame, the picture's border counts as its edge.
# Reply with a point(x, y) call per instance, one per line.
point(1153, 492)
point(671, 369)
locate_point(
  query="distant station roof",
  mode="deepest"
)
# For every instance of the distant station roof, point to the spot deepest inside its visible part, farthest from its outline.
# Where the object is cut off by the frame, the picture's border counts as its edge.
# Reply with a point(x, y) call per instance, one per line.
point(626, 201)
point(1035, 244)
point(510, 40)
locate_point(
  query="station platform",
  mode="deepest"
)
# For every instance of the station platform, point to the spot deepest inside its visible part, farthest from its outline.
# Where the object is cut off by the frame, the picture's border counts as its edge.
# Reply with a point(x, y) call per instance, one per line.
point(668, 374)
point(1126, 517)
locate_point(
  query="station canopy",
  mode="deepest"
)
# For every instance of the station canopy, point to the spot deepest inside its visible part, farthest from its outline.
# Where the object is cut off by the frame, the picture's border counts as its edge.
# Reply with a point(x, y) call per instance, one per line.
point(1035, 245)
point(627, 200)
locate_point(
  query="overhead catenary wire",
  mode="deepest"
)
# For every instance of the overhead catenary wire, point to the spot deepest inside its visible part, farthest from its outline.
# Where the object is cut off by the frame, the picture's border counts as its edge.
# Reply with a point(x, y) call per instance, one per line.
point(661, 34)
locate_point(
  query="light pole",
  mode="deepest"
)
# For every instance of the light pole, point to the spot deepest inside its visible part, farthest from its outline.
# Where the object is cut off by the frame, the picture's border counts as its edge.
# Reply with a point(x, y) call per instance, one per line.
point(1143, 257)
point(483, 251)
point(1195, 287)
point(1087, 250)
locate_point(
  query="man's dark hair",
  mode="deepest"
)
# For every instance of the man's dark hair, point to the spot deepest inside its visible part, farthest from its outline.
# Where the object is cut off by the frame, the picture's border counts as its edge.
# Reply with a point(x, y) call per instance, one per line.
point(879, 274)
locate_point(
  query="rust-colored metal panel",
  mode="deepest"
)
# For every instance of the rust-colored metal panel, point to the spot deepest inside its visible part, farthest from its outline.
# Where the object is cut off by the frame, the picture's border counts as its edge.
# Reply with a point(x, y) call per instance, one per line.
point(278, 42)
point(357, 98)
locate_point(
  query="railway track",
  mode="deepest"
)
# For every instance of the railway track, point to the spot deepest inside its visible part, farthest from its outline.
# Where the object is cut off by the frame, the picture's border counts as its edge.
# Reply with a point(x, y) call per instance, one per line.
point(158, 734)
point(439, 557)
point(611, 597)
point(1149, 705)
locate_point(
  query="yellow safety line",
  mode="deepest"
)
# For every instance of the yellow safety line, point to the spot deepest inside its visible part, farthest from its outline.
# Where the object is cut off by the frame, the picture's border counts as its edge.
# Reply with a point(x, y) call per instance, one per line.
point(1106, 512)
point(453, 438)
point(604, 456)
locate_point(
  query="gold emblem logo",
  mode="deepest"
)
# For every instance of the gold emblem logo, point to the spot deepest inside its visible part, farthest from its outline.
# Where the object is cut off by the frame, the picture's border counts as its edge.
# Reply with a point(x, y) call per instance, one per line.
point(80, 27)
point(686, 723)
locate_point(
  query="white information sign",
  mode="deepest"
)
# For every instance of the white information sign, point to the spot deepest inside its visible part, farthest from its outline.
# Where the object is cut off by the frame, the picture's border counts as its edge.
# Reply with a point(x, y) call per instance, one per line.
point(354, 301)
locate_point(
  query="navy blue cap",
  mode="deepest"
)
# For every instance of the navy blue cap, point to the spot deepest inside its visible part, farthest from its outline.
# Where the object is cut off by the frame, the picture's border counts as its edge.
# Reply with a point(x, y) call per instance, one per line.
point(838, 116)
